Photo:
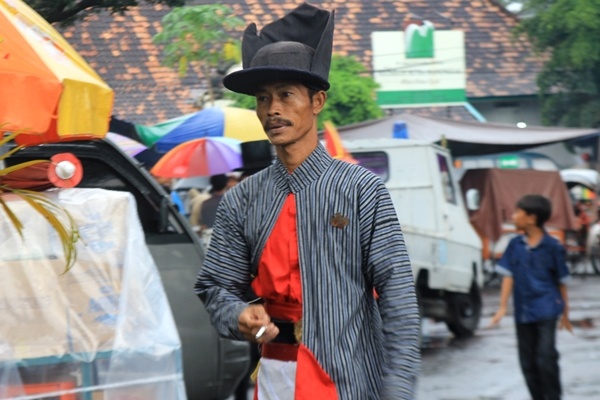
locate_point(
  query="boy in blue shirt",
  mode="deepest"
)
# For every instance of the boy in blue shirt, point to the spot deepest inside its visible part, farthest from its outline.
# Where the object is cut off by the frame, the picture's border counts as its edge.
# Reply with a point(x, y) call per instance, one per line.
point(534, 270)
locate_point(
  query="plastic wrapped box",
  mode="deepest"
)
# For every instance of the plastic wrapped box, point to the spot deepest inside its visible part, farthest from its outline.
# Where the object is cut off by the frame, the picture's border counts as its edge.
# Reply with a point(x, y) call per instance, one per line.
point(102, 330)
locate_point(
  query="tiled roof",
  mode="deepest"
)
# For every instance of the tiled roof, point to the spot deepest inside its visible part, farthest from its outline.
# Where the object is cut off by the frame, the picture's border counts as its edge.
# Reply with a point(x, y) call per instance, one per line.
point(120, 47)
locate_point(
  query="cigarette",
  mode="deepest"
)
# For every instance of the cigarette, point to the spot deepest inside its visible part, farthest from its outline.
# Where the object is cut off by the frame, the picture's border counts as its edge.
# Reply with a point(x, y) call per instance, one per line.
point(260, 332)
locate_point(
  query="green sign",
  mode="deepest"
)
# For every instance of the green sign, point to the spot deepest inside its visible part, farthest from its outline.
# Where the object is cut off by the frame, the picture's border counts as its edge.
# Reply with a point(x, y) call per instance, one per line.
point(409, 97)
point(419, 66)
point(419, 40)
point(511, 161)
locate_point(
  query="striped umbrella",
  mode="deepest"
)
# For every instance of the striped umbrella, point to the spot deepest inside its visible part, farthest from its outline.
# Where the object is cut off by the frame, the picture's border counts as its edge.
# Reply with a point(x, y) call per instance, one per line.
point(229, 122)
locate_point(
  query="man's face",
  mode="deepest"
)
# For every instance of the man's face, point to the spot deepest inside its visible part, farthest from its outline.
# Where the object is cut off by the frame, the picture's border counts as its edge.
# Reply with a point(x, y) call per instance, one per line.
point(231, 182)
point(286, 111)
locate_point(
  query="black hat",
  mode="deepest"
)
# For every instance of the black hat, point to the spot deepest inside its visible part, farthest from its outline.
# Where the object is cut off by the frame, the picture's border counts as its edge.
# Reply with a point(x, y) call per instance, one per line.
point(296, 47)
point(218, 182)
point(256, 155)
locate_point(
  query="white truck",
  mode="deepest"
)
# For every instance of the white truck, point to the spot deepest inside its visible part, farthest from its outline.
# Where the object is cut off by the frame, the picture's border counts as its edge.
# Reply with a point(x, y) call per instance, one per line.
point(444, 249)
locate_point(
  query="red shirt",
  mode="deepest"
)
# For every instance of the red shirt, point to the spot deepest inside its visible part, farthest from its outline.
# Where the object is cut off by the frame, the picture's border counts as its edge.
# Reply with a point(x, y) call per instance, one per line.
point(278, 282)
point(278, 277)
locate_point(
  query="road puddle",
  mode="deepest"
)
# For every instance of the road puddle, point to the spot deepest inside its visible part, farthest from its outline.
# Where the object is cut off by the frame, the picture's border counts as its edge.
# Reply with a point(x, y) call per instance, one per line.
point(436, 342)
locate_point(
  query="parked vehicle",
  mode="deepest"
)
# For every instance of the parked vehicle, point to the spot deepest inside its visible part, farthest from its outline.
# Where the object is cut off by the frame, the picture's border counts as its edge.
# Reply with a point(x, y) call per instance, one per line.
point(584, 185)
point(212, 366)
point(444, 249)
point(514, 160)
point(593, 247)
point(499, 190)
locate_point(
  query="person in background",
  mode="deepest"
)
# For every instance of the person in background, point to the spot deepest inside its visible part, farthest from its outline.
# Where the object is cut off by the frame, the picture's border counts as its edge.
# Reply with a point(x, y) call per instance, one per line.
point(313, 237)
point(219, 184)
point(534, 271)
point(167, 185)
point(584, 222)
point(256, 156)
point(196, 197)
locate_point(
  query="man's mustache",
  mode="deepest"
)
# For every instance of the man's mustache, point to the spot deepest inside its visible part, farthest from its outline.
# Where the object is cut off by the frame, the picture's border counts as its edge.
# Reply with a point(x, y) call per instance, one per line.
point(273, 122)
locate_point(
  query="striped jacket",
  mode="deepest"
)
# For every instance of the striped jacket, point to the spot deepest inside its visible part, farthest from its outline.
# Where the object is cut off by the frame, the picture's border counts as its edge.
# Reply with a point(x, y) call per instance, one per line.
point(369, 348)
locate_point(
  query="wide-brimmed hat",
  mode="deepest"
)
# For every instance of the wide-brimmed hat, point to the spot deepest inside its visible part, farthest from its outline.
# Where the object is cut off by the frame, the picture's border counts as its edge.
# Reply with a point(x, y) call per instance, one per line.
point(296, 47)
point(256, 155)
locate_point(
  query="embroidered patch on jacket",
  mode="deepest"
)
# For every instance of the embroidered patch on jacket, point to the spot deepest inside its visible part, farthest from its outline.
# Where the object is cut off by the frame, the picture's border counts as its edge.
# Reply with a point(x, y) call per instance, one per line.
point(339, 221)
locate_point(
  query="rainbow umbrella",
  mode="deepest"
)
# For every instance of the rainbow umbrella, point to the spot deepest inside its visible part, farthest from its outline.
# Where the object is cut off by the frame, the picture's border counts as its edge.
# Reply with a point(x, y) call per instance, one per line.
point(46, 88)
point(200, 157)
point(230, 122)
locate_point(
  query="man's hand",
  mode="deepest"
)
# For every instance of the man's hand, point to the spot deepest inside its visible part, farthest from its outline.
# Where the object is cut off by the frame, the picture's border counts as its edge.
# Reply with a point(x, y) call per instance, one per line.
point(497, 317)
point(252, 319)
point(564, 323)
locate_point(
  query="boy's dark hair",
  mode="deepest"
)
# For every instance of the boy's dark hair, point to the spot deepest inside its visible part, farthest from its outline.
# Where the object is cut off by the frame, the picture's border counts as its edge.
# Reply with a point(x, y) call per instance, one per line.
point(535, 204)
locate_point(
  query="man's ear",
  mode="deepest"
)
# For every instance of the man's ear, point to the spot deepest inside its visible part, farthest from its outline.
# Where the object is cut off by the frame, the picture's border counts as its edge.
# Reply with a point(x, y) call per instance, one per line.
point(318, 102)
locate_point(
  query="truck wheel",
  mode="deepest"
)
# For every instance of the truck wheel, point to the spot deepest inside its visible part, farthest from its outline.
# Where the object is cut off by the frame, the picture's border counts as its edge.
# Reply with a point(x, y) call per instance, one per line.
point(464, 312)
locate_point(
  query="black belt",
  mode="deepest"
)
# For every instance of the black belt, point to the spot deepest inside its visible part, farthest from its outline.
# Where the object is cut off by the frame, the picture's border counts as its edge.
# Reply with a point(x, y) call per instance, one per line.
point(286, 332)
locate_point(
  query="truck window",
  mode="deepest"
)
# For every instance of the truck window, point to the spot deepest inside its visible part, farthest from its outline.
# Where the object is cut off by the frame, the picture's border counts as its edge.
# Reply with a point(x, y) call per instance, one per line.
point(375, 161)
point(543, 164)
point(447, 185)
point(477, 163)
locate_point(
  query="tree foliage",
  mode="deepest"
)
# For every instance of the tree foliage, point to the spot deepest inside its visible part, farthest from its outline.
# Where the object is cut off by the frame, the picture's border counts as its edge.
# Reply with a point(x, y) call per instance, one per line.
point(198, 34)
point(566, 32)
point(68, 11)
point(350, 99)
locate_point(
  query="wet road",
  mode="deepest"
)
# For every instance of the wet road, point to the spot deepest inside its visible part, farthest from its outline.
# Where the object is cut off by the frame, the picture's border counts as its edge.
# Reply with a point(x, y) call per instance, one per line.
point(485, 367)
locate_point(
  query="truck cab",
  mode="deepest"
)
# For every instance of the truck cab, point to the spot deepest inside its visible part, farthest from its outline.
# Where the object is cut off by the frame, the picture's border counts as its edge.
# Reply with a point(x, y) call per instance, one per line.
point(444, 249)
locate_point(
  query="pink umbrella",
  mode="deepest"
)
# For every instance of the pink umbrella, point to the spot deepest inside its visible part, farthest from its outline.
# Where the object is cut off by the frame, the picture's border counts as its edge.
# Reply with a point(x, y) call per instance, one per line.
point(128, 145)
point(200, 157)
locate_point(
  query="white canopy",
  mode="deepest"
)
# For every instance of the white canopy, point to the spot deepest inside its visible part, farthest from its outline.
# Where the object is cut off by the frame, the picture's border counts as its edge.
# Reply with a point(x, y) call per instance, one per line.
point(464, 137)
point(585, 177)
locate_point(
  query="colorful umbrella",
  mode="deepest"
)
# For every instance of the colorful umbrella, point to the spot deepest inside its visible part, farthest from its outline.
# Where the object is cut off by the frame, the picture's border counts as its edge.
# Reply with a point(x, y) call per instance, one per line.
point(236, 123)
point(46, 88)
point(200, 157)
point(129, 146)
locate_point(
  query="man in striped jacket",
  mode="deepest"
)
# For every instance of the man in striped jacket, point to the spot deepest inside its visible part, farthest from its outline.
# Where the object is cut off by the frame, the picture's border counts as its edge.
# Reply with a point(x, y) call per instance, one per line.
point(313, 237)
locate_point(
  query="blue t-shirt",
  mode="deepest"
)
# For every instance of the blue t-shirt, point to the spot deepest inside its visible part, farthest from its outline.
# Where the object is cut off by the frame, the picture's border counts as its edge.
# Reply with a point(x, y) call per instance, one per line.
point(178, 202)
point(537, 273)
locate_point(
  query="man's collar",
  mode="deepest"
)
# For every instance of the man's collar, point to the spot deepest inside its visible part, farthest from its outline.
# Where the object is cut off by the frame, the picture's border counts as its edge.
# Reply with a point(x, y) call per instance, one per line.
point(545, 239)
point(306, 173)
